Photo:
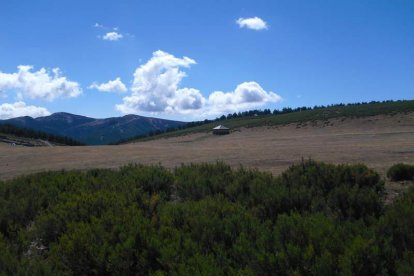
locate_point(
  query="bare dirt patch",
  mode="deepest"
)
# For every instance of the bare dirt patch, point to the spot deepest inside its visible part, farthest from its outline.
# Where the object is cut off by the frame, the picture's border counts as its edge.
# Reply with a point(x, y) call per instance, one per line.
point(378, 141)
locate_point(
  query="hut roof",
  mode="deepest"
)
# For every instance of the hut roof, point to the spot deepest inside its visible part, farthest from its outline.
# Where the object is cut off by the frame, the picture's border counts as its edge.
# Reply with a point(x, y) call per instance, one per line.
point(221, 127)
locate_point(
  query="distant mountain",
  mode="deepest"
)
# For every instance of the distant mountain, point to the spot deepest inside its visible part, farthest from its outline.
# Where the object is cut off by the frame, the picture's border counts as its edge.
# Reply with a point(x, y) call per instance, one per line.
point(94, 131)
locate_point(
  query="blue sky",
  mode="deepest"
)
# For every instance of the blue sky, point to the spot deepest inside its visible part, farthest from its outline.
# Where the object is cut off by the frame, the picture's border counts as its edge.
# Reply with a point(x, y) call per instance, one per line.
point(306, 53)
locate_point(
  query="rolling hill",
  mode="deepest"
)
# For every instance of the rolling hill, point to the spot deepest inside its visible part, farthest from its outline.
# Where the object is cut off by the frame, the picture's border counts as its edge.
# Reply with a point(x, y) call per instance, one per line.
point(93, 131)
point(301, 115)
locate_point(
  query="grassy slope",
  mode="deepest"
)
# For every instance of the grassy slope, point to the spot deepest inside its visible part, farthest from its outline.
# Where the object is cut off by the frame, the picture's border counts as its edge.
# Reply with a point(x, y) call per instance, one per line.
point(363, 110)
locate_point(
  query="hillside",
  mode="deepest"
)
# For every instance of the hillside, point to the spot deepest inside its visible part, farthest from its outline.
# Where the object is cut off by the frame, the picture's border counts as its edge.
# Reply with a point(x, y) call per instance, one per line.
point(94, 131)
point(17, 136)
point(378, 141)
point(286, 116)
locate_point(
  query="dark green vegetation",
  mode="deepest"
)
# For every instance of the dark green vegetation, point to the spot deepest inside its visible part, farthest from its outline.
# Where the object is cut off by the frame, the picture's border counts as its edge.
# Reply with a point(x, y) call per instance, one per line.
point(6, 130)
point(255, 118)
point(314, 219)
point(400, 172)
point(94, 131)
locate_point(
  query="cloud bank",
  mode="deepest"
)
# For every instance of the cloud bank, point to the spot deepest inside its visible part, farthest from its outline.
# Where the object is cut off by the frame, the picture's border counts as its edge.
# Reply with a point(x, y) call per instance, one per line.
point(115, 85)
point(40, 84)
point(156, 89)
point(19, 109)
point(253, 23)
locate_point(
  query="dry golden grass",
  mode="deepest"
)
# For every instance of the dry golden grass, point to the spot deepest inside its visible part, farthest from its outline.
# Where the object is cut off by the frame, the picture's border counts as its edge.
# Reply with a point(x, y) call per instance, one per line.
point(378, 141)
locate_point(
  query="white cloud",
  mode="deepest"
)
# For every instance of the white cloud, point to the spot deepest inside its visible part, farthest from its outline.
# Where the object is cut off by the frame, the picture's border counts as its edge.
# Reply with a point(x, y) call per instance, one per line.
point(40, 84)
point(253, 23)
point(112, 36)
point(186, 101)
point(19, 109)
point(247, 95)
point(111, 33)
point(111, 86)
point(155, 87)
point(97, 25)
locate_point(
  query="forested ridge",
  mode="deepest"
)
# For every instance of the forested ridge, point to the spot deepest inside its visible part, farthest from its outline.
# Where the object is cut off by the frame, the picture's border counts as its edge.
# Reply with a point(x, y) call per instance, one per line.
point(205, 219)
point(34, 134)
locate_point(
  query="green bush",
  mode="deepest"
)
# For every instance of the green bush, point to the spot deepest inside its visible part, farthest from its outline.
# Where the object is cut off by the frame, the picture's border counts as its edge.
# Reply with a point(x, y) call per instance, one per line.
point(399, 172)
point(206, 219)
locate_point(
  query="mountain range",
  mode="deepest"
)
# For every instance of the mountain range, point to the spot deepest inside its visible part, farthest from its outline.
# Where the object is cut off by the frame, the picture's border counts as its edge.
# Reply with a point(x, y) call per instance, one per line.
point(94, 131)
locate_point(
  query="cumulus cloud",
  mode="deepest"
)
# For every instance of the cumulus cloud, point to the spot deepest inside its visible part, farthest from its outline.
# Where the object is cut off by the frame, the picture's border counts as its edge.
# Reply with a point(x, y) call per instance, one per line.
point(188, 99)
point(253, 23)
point(40, 84)
point(112, 36)
point(19, 109)
point(155, 87)
point(111, 86)
point(247, 95)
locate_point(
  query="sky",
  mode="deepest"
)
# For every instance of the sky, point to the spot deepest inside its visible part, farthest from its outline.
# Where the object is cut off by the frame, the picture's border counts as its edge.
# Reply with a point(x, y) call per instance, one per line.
point(191, 60)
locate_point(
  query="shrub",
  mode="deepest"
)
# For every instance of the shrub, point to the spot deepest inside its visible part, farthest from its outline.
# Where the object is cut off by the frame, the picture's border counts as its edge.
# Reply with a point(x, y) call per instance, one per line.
point(400, 172)
point(205, 219)
point(344, 191)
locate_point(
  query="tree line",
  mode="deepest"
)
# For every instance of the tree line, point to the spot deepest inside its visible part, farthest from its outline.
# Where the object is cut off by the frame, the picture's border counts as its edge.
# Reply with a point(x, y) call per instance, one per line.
point(34, 134)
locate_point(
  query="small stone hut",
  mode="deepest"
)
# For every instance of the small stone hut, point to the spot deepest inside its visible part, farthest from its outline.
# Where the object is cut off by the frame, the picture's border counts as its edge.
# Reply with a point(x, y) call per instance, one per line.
point(221, 130)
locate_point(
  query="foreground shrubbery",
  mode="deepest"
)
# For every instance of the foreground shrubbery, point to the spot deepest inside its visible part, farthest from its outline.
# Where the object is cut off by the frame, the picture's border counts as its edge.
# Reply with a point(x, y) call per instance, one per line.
point(208, 219)
point(400, 172)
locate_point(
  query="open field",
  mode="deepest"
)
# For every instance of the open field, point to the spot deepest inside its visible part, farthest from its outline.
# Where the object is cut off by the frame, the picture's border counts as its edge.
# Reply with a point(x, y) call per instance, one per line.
point(378, 141)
